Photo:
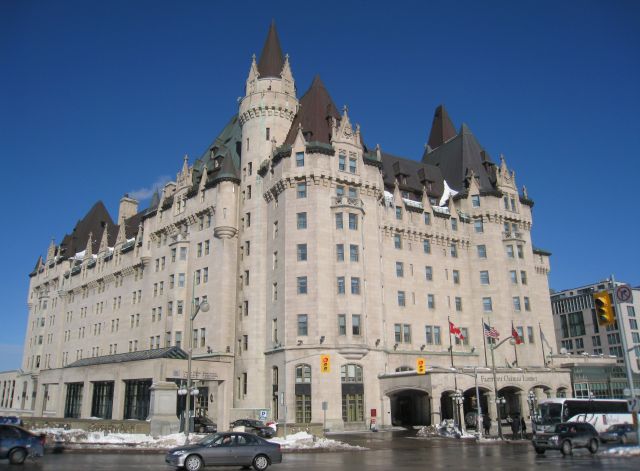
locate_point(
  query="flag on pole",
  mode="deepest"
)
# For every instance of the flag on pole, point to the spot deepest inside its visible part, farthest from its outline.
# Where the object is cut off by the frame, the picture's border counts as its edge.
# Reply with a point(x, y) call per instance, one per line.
point(490, 331)
point(544, 339)
point(516, 337)
point(455, 331)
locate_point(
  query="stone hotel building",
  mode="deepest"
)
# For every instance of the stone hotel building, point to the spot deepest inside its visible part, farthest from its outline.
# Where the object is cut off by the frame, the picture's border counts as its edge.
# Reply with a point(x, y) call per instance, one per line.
point(308, 244)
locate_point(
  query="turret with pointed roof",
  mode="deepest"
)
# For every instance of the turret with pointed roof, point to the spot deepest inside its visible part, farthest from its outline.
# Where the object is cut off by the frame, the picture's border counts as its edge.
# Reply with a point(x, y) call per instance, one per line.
point(271, 59)
point(442, 128)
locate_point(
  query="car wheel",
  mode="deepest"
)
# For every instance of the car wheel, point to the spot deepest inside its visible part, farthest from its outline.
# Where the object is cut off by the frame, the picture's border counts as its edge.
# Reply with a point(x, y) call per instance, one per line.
point(260, 463)
point(193, 463)
point(593, 445)
point(539, 451)
point(17, 456)
point(566, 447)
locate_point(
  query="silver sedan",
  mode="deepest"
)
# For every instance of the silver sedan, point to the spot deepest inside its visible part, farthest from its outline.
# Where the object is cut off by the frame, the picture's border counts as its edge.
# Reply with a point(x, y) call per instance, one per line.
point(226, 449)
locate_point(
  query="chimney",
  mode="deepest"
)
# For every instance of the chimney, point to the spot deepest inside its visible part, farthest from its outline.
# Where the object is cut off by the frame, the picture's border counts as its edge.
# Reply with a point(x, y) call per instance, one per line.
point(128, 207)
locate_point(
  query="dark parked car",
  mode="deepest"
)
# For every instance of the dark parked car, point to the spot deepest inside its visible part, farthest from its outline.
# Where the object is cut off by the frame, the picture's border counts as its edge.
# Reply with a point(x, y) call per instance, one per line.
point(566, 437)
point(203, 424)
point(253, 426)
point(620, 433)
point(226, 449)
point(17, 444)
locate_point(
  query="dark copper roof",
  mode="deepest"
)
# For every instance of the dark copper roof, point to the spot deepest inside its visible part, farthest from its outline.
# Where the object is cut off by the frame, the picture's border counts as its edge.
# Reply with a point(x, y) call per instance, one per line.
point(316, 107)
point(92, 223)
point(271, 59)
point(442, 128)
point(411, 175)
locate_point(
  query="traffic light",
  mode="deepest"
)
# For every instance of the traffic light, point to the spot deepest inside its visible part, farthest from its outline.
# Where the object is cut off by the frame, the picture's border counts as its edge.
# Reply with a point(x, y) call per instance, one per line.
point(421, 366)
point(604, 308)
point(325, 364)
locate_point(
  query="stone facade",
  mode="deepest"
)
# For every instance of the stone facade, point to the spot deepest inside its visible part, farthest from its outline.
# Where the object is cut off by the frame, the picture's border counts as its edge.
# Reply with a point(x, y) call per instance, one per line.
point(308, 245)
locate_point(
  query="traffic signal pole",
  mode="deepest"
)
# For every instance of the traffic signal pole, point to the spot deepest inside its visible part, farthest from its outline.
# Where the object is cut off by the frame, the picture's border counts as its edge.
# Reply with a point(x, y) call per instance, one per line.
point(627, 357)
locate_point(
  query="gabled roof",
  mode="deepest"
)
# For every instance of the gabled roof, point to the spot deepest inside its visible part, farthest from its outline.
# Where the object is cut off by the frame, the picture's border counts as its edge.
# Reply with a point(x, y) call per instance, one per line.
point(316, 107)
point(459, 156)
point(416, 175)
point(168, 352)
point(442, 128)
point(271, 59)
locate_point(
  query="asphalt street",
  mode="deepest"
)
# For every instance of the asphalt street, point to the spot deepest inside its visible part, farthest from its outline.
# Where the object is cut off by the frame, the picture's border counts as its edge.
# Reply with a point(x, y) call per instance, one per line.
point(386, 452)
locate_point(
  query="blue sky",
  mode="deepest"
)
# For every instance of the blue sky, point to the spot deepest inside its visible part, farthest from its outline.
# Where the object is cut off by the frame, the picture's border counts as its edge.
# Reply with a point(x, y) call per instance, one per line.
point(102, 98)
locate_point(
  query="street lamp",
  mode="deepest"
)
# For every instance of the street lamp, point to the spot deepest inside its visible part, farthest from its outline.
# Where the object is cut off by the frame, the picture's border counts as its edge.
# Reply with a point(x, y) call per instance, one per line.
point(531, 400)
point(191, 390)
point(457, 400)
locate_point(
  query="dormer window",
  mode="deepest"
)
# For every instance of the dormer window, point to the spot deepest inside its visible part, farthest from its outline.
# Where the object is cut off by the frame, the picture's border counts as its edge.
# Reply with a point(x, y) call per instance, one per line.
point(217, 162)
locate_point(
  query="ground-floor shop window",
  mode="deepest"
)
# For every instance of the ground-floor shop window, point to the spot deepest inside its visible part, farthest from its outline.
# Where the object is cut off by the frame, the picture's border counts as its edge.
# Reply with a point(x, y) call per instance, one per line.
point(102, 404)
point(73, 401)
point(137, 396)
point(352, 393)
point(353, 407)
point(303, 408)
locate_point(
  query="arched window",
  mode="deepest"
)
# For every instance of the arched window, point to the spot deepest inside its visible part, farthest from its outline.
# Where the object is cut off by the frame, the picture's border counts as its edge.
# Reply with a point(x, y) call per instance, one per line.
point(303, 393)
point(352, 393)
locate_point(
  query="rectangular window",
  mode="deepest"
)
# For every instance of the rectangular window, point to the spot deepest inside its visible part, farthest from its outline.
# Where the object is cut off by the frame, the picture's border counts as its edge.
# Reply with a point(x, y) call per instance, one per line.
point(454, 250)
point(340, 284)
point(352, 165)
point(428, 273)
point(514, 277)
point(353, 192)
point(180, 307)
point(399, 269)
point(302, 284)
point(299, 159)
point(523, 277)
point(431, 301)
point(487, 306)
point(398, 213)
point(401, 298)
point(527, 305)
point(427, 218)
point(437, 340)
point(510, 252)
point(406, 333)
point(339, 221)
point(397, 332)
point(520, 251)
point(516, 303)
point(340, 252)
point(454, 224)
point(173, 254)
point(303, 328)
point(478, 225)
point(484, 277)
point(397, 241)
point(267, 134)
point(354, 254)
point(355, 324)
point(475, 201)
point(183, 253)
point(456, 277)
point(339, 190)
point(530, 335)
point(342, 324)
point(301, 191)
point(426, 246)
point(180, 280)
point(206, 247)
point(355, 285)
point(458, 303)
point(342, 162)
point(428, 330)
point(301, 220)
point(302, 252)
point(353, 221)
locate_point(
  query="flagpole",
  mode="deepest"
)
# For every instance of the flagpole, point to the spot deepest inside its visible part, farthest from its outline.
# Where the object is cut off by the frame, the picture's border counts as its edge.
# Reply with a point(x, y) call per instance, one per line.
point(484, 343)
point(450, 344)
point(515, 345)
point(544, 358)
point(455, 376)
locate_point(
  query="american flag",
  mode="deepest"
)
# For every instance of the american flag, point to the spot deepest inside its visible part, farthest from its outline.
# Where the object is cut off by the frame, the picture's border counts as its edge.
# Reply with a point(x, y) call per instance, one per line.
point(490, 331)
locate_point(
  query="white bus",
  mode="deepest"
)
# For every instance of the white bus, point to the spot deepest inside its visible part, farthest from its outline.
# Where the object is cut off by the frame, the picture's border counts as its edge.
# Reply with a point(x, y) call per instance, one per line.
point(601, 413)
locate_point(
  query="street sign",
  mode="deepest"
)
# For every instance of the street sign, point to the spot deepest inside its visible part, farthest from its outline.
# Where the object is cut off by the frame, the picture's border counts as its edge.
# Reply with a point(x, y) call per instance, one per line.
point(624, 294)
point(325, 405)
point(263, 413)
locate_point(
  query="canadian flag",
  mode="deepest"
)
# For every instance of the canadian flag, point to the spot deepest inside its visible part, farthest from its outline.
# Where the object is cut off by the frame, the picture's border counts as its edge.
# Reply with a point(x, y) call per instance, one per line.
point(516, 337)
point(455, 331)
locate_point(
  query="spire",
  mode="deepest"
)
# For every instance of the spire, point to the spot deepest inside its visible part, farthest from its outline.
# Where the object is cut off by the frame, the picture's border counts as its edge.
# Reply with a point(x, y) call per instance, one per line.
point(104, 241)
point(316, 109)
point(271, 59)
point(442, 128)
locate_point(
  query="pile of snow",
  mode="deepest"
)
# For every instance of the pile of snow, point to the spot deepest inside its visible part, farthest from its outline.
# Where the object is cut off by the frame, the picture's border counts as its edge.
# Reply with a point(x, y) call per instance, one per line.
point(445, 429)
point(77, 437)
point(306, 441)
point(623, 451)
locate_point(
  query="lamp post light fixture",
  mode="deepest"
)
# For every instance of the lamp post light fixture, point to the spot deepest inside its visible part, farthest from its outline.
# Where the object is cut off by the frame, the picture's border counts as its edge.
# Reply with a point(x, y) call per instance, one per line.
point(458, 399)
point(531, 400)
point(495, 382)
point(191, 390)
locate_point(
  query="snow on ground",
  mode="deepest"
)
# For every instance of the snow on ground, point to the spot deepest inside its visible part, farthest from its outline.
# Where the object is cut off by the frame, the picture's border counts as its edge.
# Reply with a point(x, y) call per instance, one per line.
point(623, 451)
point(445, 429)
point(79, 438)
